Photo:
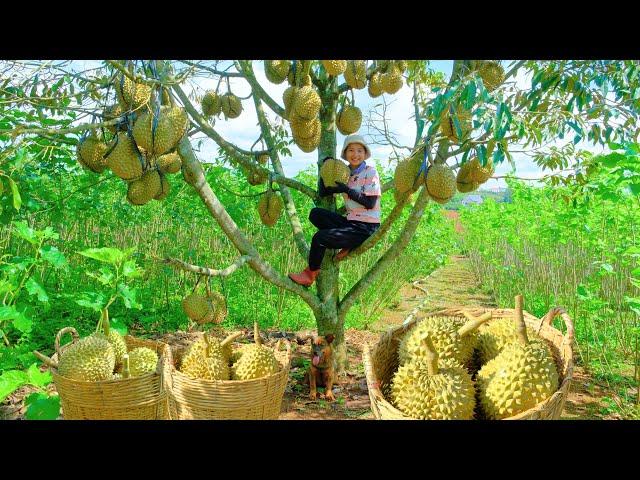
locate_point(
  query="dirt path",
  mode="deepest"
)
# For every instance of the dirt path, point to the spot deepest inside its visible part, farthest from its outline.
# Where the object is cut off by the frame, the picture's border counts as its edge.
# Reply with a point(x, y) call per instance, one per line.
point(452, 284)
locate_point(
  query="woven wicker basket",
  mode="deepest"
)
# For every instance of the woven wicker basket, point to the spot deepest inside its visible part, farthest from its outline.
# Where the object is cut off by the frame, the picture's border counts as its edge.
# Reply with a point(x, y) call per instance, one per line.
point(135, 398)
point(197, 399)
point(381, 361)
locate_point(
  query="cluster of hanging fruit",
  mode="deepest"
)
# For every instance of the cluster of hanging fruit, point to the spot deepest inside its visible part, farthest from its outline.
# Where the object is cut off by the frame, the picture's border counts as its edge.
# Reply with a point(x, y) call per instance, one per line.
point(438, 375)
point(140, 149)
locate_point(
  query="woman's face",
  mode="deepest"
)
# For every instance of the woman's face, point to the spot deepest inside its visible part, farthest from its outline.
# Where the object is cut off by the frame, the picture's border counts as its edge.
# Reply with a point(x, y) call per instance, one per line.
point(355, 154)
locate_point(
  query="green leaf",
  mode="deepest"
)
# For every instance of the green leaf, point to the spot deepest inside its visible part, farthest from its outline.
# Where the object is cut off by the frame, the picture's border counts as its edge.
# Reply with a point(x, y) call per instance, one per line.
point(10, 381)
point(42, 407)
point(34, 288)
point(129, 296)
point(606, 267)
point(113, 256)
point(17, 200)
point(38, 378)
point(92, 300)
point(131, 270)
point(23, 323)
point(53, 256)
point(119, 326)
point(22, 230)
point(612, 159)
point(635, 188)
point(8, 313)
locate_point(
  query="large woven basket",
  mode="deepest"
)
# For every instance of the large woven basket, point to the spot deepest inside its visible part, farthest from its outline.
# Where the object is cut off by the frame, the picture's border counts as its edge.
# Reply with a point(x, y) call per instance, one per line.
point(135, 398)
point(198, 399)
point(381, 361)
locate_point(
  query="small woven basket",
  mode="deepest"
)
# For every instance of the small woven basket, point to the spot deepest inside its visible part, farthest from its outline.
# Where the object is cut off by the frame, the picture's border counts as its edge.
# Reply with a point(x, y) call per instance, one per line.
point(198, 399)
point(381, 361)
point(135, 398)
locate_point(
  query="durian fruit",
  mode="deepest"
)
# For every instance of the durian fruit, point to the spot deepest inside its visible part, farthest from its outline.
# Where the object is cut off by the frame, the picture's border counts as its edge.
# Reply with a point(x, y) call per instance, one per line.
point(171, 126)
point(270, 207)
point(238, 352)
point(211, 104)
point(494, 336)
point(304, 129)
point(306, 103)
point(90, 359)
point(391, 81)
point(205, 308)
point(145, 189)
point(452, 338)
point(169, 163)
point(276, 70)
point(441, 183)
point(142, 360)
point(131, 95)
point(91, 152)
point(112, 112)
point(522, 375)
point(301, 77)
point(401, 65)
point(492, 74)
point(349, 119)
point(255, 177)
point(165, 188)
point(478, 173)
point(375, 85)
point(112, 336)
point(334, 67)
point(401, 196)
point(464, 182)
point(257, 361)
point(124, 160)
point(429, 389)
point(405, 175)
point(333, 170)
point(231, 105)
point(448, 127)
point(287, 98)
point(356, 74)
point(208, 358)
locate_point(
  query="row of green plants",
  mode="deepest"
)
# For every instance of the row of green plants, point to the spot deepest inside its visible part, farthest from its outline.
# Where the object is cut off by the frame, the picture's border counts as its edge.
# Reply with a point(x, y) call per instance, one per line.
point(576, 245)
point(73, 245)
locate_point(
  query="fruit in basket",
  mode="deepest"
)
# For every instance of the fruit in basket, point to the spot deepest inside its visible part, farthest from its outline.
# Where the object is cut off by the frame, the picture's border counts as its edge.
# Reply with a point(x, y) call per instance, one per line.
point(90, 359)
point(208, 358)
point(493, 336)
point(450, 339)
point(522, 375)
point(428, 389)
point(257, 361)
point(117, 342)
point(142, 360)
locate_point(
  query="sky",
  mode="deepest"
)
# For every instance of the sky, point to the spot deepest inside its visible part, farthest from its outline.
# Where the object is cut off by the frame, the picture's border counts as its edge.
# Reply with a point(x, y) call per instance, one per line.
point(243, 131)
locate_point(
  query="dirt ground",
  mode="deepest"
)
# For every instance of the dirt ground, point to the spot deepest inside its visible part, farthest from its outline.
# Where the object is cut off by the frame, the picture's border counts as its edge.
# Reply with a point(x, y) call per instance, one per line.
point(453, 284)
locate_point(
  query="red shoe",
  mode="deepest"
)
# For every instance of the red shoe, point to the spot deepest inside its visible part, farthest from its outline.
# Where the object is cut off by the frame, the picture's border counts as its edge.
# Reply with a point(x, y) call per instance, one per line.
point(342, 253)
point(306, 277)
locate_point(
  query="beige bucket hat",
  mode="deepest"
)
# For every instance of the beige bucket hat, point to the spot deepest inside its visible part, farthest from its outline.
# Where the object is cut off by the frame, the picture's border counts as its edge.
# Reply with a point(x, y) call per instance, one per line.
point(355, 139)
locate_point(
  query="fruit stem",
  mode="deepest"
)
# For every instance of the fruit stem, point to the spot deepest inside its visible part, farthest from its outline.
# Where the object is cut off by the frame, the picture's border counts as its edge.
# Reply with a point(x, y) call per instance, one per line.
point(521, 328)
point(431, 355)
point(126, 373)
point(473, 323)
point(256, 334)
point(230, 338)
point(105, 321)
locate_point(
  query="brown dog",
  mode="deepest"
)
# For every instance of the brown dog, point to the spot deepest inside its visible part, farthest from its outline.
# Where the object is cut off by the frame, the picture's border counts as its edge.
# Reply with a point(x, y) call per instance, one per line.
point(321, 368)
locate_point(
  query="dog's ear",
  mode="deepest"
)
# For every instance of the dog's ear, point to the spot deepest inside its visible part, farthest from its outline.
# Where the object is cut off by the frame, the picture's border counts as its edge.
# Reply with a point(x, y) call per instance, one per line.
point(329, 337)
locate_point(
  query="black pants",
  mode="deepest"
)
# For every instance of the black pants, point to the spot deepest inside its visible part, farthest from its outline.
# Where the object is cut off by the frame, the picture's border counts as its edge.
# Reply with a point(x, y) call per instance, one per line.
point(335, 231)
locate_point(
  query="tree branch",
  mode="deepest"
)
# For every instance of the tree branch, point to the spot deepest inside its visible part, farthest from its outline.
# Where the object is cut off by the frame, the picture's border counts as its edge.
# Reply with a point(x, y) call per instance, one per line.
point(247, 69)
point(207, 271)
point(197, 180)
point(389, 256)
point(212, 70)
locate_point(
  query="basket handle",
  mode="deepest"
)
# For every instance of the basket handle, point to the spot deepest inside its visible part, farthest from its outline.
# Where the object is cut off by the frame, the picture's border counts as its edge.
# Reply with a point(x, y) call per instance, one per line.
point(553, 313)
point(73, 333)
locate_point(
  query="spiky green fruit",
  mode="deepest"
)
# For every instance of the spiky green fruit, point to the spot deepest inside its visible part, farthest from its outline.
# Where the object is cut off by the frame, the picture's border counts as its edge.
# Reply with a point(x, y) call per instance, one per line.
point(517, 379)
point(276, 70)
point(479, 173)
point(165, 188)
point(256, 362)
point(448, 124)
point(493, 336)
point(124, 160)
point(445, 395)
point(231, 105)
point(171, 125)
point(334, 67)
point(356, 74)
point(142, 360)
point(391, 81)
point(211, 104)
point(205, 308)
point(306, 103)
point(116, 341)
point(375, 87)
point(131, 95)
point(169, 163)
point(270, 207)
point(333, 170)
point(145, 189)
point(492, 74)
point(91, 154)
point(90, 359)
point(441, 183)
point(207, 358)
point(349, 120)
